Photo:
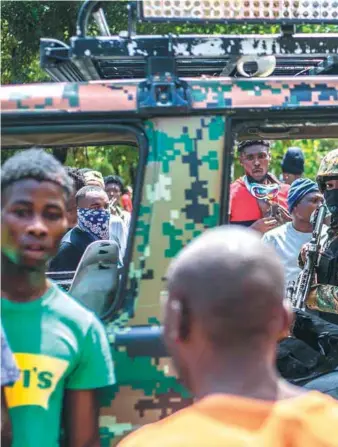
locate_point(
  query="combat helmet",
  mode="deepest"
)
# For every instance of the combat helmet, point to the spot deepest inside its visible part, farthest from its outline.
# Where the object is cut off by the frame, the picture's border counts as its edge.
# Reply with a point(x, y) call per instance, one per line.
point(328, 169)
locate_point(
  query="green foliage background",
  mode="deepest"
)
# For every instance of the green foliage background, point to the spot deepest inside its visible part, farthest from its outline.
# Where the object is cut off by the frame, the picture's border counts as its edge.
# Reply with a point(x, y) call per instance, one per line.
point(314, 150)
point(23, 23)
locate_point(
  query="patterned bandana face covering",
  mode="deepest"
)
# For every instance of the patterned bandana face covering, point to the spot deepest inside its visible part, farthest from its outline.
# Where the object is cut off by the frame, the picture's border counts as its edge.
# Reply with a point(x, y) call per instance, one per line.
point(261, 191)
point(94, 222)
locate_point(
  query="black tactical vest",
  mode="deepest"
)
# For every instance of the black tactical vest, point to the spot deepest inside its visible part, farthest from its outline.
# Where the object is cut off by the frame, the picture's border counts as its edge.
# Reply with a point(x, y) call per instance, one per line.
point(327, 271)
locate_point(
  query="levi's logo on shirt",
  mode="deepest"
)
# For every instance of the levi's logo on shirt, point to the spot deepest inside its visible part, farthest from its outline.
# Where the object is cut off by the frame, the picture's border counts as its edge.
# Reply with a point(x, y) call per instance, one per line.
point(39, 376)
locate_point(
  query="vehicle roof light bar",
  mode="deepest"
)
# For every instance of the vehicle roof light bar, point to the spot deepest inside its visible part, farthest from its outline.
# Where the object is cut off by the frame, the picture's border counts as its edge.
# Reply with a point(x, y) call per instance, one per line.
point(283, 12)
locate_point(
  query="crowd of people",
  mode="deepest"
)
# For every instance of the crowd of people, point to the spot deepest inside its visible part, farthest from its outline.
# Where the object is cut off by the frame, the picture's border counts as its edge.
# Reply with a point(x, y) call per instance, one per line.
point(280, 210)
point(224, 316)
point(99, 209)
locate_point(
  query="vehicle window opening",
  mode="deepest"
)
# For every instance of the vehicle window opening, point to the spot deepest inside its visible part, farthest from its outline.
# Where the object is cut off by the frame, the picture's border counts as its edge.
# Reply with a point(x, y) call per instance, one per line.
point(93, 252)
point(262, 172)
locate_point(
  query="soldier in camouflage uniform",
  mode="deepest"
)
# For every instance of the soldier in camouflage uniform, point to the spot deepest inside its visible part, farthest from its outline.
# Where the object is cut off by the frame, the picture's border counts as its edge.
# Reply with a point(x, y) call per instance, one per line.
point(310, 356)
point(324, 294)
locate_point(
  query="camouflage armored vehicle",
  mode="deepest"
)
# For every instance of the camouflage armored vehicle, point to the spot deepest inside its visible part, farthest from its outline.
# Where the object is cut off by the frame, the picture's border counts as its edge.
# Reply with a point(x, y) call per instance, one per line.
point(181, 101)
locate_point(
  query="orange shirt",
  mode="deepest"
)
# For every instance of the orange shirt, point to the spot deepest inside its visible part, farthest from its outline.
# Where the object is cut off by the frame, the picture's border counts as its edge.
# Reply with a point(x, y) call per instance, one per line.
point(310, 420)
point(243, 206)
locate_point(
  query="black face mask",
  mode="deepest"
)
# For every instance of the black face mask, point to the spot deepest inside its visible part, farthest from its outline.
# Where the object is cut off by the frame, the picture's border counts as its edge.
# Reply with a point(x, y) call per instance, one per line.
point(331, 199)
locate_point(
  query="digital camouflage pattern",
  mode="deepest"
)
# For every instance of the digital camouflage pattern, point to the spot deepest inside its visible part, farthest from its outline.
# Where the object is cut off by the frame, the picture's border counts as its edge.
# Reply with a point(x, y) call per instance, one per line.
point(324, 298)
point(70, 97)
point(206, 93)
point(181, 197)
point(328, 166)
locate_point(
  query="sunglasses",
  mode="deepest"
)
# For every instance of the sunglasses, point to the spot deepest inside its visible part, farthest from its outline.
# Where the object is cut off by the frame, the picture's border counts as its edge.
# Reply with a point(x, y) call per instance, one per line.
point(262, 192)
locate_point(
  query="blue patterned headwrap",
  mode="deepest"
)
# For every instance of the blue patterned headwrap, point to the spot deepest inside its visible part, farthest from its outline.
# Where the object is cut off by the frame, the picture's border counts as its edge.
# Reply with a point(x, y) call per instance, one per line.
point(94, 222)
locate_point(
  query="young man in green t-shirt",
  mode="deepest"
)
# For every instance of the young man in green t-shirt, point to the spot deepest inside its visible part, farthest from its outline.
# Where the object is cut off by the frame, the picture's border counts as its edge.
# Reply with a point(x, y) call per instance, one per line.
point(60, 347)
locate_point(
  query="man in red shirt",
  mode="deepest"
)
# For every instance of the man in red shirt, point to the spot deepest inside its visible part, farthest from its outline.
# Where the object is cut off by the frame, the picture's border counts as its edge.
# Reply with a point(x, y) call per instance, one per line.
point(258, 195)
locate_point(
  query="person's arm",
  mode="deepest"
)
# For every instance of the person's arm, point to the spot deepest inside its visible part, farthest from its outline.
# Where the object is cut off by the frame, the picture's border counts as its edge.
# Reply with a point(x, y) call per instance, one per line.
point(264, 225)
point(94, 370)
point(9, 370)
point(322, 297)
point(6, 426)
point(9, 375)
point(82, 418)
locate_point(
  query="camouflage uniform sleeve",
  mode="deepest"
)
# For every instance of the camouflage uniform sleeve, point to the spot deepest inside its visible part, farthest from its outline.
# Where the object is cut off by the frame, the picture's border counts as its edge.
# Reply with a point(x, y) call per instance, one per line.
point(323, 297)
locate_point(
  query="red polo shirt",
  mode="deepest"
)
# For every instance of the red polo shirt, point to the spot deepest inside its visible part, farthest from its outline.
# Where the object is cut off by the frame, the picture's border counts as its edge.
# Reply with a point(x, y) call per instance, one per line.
point(244, 209)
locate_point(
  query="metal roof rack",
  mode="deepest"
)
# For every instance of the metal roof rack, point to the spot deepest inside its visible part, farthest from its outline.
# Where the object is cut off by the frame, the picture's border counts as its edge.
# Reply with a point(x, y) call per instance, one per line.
point(132, 56)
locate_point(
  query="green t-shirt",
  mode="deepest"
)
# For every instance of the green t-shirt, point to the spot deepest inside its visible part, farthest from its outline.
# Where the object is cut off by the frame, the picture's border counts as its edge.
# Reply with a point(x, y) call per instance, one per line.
point(58, 345)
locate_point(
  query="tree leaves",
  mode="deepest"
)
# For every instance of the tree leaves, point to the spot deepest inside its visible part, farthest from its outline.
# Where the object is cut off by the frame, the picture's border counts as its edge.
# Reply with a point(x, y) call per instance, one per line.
point(25, 22)
point(314, 151)
point(106, 159)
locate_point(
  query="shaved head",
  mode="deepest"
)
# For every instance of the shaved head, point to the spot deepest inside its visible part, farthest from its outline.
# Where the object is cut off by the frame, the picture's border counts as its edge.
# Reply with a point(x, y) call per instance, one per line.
point(229, 284)
point(225, 313)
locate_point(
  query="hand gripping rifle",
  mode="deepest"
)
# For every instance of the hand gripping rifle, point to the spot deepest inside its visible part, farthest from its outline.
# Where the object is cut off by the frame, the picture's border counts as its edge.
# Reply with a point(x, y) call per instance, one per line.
point(306, 276)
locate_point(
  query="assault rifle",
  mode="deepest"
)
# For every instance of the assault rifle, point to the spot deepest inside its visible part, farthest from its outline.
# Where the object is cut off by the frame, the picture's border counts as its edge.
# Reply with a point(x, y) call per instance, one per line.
point(302, 289)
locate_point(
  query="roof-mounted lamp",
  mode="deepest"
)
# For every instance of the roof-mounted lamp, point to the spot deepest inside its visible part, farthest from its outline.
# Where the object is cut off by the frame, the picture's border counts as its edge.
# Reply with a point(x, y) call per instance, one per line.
point(247, 11)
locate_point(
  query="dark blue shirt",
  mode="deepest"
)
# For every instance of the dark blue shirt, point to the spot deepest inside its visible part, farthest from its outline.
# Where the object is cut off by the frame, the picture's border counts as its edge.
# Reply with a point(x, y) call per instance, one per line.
point(72, 247)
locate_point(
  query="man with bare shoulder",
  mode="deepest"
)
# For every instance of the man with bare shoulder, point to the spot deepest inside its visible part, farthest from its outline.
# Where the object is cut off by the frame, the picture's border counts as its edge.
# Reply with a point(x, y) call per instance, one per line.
point(60, 347)
point(223, 317)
